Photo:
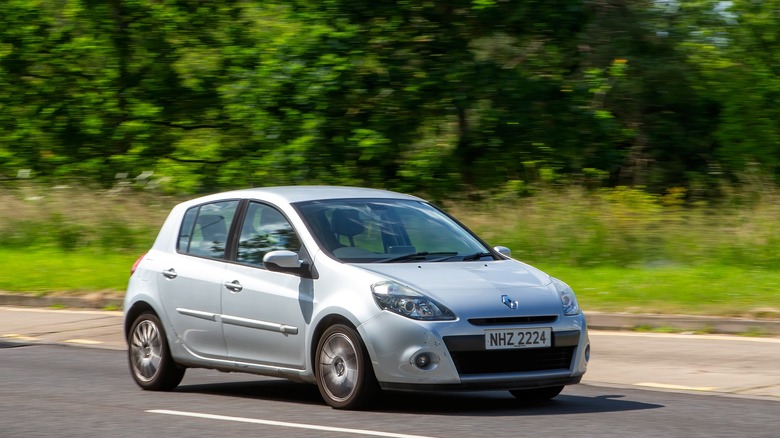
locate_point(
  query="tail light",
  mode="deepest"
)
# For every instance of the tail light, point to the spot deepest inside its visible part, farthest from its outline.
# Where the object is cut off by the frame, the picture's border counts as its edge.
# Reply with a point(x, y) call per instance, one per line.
point(135, 265)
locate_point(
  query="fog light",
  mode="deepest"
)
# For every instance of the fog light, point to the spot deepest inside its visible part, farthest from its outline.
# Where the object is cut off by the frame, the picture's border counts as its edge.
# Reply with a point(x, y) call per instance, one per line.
point(422, 360)
point(587, 353)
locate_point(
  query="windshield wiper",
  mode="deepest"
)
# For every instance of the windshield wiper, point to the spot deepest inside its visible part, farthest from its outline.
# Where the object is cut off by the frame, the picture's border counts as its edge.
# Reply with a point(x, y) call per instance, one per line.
point(476, 256)
point(416, 256)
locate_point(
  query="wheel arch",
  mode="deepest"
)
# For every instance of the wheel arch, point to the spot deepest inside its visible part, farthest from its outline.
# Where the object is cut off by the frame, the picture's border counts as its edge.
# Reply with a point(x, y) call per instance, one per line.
point(132, 313)
point(323, 325)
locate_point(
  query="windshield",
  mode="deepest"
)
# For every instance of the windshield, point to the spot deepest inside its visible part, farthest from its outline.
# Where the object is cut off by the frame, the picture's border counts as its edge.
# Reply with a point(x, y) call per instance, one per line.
point(388, 231)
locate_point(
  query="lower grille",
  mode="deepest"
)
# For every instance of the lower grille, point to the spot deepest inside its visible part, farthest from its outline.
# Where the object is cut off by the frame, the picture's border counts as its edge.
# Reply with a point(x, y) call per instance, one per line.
point(512, 360)
point(543, 319)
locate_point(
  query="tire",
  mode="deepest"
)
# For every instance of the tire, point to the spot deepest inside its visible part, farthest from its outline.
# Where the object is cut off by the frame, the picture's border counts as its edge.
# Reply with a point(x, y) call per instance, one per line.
point(345, 377)
point(148, 355)
point(536, 394)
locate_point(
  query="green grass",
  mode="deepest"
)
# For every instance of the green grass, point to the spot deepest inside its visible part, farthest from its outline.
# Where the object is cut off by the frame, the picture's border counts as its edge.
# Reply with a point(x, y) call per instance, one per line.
point(713, 290)
point(49, 271)
point(699, 290)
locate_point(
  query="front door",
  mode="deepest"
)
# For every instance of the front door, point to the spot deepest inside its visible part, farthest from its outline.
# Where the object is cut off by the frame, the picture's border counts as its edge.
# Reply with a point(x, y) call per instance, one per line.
point(265, 314)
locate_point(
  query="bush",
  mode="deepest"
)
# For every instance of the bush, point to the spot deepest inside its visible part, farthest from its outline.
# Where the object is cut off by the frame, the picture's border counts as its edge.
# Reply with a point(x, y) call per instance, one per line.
point(70, 219)
point(574, 226)
point(628, 227)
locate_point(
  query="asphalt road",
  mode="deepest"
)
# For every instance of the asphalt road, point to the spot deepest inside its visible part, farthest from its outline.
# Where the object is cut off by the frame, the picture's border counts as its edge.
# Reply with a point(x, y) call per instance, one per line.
point(669, 362)
point(59, 391)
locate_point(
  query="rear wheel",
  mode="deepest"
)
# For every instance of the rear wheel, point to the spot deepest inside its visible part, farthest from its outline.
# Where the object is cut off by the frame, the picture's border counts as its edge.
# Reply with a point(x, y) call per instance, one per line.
point(344, 374)
point(536, 394)
point(148, 355)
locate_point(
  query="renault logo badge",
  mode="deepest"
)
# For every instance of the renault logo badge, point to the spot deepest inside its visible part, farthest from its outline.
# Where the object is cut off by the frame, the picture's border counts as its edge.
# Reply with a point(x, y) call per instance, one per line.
point(509, 302)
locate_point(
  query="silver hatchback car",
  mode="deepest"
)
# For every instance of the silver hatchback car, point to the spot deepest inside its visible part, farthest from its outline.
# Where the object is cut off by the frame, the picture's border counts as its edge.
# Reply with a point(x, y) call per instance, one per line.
point(356, 290)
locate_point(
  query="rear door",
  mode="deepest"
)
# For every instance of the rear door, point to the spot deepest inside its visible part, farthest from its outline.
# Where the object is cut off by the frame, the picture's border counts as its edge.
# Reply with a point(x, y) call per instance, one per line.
point(190, 279)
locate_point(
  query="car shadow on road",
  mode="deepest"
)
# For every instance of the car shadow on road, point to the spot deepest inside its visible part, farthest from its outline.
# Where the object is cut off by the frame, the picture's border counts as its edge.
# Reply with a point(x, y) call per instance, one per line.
point(271, 389)
point(12, 344)
point(498, 404)
point(479, 404)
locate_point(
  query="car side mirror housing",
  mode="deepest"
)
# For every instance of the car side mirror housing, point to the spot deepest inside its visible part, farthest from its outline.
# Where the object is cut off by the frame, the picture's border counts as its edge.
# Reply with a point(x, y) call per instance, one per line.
point(287, 262)
point(503, 251)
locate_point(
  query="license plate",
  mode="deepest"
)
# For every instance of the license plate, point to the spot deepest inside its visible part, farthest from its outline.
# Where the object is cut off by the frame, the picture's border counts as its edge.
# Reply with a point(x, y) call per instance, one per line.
point(518, 338)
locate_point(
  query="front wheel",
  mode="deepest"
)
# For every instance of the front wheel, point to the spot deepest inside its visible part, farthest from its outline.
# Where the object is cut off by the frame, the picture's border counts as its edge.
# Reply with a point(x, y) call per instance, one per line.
point(148, 355)
point(344, 374)
point(536, 394)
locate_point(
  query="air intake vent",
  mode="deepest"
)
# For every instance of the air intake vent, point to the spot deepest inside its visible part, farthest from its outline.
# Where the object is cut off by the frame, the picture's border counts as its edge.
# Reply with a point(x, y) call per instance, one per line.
point(513, 361)
point(514, 320)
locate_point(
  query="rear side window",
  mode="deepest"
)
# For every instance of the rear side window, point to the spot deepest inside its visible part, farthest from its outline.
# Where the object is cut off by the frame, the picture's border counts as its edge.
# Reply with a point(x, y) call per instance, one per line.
point(204, 229)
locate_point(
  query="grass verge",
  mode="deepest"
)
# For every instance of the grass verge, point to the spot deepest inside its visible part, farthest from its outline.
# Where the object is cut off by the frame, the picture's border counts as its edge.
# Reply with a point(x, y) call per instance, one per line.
point(621, 249)
point(711, 290)
point(47, 271)
point(698, 290)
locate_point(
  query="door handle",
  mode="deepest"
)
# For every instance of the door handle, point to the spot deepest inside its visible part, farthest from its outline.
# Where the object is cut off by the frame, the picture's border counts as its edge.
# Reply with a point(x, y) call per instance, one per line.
point(170, 274)
point(234, 286)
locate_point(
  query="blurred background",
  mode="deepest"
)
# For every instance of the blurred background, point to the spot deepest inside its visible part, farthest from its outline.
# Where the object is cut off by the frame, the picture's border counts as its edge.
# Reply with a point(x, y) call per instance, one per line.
point(631, 148)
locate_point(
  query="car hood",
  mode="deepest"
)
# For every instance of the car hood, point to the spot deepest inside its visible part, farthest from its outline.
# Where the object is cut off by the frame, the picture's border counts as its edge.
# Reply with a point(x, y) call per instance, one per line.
point(475, 289)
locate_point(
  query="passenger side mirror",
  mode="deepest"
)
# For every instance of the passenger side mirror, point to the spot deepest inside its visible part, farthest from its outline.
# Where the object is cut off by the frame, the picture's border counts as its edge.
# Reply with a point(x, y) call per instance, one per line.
point(287, 262)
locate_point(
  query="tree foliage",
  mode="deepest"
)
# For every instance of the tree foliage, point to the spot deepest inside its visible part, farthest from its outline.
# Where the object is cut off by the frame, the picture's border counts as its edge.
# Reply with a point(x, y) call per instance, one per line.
point(436, 96)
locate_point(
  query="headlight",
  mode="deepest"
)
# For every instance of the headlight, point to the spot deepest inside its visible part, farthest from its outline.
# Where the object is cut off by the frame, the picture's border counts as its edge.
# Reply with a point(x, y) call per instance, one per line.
point(568, 299)
point(407, 302)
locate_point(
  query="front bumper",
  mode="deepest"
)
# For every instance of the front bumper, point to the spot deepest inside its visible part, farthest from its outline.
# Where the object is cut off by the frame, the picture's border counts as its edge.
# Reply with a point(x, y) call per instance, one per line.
point(459, 360)
point(495, 382)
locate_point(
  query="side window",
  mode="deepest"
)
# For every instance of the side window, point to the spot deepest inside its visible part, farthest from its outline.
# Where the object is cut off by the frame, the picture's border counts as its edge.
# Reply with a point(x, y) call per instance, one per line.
point(205, 228)
point(264, 229)
point(187, 227)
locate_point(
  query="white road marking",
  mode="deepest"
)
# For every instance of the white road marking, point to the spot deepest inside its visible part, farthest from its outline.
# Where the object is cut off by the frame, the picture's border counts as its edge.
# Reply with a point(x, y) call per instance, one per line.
point(18, 337)
point(680, 387)
point(284, 424)
point(83, 341)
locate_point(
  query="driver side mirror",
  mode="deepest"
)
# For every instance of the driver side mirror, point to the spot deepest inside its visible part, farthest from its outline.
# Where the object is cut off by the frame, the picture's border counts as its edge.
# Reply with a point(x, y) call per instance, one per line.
point(503, 250)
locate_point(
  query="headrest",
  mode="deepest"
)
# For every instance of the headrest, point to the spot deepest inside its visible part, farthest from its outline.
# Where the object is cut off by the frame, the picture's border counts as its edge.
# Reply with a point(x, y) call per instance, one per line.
point(346, 222)
point(212, 227)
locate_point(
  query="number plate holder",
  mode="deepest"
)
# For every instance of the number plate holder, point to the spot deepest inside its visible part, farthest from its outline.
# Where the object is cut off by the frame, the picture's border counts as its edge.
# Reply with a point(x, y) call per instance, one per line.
point(537, 337)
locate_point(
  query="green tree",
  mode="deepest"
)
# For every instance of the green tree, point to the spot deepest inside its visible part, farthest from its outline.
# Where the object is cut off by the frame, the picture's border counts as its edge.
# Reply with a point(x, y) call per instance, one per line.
point(436, 96)
point(735, 48)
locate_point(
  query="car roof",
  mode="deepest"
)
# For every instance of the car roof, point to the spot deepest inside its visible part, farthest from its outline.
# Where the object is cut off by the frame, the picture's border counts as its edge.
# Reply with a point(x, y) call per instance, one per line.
point(293, 194)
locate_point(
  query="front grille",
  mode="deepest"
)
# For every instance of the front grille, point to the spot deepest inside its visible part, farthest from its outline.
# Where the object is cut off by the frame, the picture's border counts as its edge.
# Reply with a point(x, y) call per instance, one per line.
point(543, 319)
point(512, 361)
point(478, 360)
